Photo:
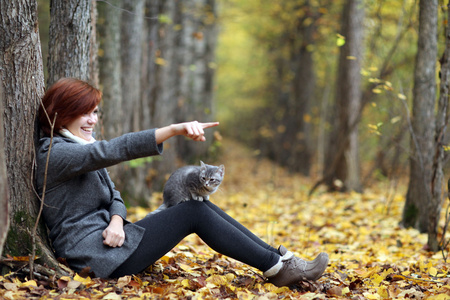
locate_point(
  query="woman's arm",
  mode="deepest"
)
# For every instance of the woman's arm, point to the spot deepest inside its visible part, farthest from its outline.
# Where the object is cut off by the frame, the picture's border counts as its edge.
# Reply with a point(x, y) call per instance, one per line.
point(192, 130)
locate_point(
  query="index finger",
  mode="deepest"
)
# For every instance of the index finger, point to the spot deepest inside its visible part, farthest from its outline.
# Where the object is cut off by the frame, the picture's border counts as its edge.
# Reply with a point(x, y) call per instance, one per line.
point(208, 125)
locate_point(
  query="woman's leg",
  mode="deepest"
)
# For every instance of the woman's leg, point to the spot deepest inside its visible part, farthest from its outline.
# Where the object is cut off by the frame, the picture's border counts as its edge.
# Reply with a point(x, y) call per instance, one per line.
point(166, 229)
point(239, 226)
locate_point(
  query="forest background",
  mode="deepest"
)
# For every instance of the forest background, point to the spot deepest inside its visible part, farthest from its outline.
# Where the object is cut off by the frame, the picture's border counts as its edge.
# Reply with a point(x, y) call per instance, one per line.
point(346, 93)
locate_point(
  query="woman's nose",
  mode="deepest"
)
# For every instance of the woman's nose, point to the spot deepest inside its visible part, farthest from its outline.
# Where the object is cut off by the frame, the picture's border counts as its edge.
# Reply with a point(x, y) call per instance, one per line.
point(92, 119)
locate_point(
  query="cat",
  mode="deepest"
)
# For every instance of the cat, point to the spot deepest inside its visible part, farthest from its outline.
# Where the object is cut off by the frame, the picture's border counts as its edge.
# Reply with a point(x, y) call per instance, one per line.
point(191, 183)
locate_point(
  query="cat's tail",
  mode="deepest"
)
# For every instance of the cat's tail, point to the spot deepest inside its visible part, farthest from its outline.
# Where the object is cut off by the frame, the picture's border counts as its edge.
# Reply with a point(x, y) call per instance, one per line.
point(160, 208)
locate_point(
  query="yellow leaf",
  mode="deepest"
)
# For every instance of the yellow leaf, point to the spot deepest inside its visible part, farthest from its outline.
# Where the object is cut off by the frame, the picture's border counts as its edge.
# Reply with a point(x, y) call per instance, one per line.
point(383, 292)
point(371, 296)
point(112, 296)
point(123, 281)
point(376, 279)
point(219, 279)
point(340, 40)
point(432, 271)
point(160, 61)
point(307, 118)
point(376, 91)
point(401, 96)
point(185, 267)
point(30, 283)
point(84, 281)
point(185, 283)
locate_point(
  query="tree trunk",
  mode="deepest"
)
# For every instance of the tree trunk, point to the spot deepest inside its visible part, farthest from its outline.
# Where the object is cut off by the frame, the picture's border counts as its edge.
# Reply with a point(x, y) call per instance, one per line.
point(196, 58)
point(346, 170)
point(70, 40)
point(111, 120)
point(131, 42)
point(132, 22)
point(442, 119)
point(416, 210)
point(4, 192)
point(20, 54)
point(110, 69)
point(303, 85)
point(168, 85)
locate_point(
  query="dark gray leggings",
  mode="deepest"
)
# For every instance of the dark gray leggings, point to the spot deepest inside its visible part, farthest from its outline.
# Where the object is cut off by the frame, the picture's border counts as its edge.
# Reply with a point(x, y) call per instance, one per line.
point(166, 229)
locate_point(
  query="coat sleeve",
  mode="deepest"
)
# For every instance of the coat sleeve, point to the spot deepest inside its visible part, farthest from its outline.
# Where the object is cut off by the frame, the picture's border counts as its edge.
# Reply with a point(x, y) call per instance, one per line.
point(69, 159)
point(117, 206)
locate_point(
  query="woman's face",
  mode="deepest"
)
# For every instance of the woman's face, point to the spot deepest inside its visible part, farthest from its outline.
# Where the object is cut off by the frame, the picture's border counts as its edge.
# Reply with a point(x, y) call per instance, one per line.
point(83, 126)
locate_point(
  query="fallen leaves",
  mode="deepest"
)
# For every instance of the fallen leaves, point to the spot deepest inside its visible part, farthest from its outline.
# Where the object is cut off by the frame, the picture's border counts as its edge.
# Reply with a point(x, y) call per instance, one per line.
point(371, 256)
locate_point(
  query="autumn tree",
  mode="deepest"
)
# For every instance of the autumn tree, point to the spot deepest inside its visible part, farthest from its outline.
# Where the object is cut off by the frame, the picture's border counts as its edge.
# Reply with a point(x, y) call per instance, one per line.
point(69, 40)
point(110, 71)
point(23, 85)
point(343, 168)
point(442, 119)
point(294, 86)
point(197, 65)
point(416, 212)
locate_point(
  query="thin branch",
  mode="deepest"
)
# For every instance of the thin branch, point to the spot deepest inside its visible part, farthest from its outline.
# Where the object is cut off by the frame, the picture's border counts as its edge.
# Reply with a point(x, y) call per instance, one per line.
point(41, 208)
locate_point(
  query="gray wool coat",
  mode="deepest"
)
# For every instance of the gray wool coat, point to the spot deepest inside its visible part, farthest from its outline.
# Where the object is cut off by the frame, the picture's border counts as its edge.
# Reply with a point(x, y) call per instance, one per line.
point(80, 198)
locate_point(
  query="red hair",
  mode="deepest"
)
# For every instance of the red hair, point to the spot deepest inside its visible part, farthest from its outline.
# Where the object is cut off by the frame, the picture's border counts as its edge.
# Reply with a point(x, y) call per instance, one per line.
point(69, 98)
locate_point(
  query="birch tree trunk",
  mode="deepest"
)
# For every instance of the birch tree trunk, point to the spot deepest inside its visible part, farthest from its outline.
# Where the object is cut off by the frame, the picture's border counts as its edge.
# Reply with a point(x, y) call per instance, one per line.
point(22, 77)
point(70, 40)
point(419, 195)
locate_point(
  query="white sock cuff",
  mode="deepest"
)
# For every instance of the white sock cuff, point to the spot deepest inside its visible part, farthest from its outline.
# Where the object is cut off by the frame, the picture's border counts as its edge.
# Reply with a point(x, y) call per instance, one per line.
point(275, 269)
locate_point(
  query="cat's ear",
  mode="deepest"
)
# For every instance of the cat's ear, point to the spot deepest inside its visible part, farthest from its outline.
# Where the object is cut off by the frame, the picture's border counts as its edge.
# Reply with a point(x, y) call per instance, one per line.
point(222, 169)
point(202, 164)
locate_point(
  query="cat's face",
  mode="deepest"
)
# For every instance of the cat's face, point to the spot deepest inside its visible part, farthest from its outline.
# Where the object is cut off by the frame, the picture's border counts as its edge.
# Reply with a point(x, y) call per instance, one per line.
point(211, 176)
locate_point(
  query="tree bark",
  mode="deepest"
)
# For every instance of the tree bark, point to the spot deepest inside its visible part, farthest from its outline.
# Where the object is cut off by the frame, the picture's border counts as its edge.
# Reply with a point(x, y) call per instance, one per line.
point(168, 85)
point(348, 103)
point(70, 40)
point(442, 118)
point(111, 118)
point(23, 86)
point(131, 42)
point(418, 198)
point(302, 95)
point(196, 59)
point(4, 192)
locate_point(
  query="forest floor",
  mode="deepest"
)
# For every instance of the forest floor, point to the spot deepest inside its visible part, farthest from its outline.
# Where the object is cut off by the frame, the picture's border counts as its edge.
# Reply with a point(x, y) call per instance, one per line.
point(371, 257)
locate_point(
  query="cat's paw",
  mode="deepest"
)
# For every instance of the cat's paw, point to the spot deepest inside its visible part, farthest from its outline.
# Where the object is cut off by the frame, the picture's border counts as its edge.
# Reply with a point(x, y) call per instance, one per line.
point(197, 198)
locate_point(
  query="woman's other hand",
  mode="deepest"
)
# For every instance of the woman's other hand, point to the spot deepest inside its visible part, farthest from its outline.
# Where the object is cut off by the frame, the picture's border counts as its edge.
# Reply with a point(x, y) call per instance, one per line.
point(113, 235)
point(193, 130)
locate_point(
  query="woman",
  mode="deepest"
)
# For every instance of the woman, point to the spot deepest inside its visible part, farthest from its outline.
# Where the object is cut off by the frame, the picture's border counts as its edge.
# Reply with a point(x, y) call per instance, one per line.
point(86, 216)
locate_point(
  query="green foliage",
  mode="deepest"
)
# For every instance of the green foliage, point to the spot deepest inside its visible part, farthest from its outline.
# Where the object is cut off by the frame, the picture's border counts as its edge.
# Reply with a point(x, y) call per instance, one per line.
point(140, 162)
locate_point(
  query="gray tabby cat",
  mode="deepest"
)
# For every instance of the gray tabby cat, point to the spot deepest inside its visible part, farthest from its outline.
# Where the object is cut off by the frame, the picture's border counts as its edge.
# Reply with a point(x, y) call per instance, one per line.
point(191, 183)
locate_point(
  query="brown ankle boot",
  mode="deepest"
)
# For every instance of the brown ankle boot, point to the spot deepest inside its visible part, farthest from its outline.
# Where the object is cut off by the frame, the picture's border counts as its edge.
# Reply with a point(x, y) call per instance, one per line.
point(294, 269)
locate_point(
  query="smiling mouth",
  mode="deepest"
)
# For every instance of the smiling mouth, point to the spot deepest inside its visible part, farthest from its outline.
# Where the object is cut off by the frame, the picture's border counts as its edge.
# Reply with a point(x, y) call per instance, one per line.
point(87, 129)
